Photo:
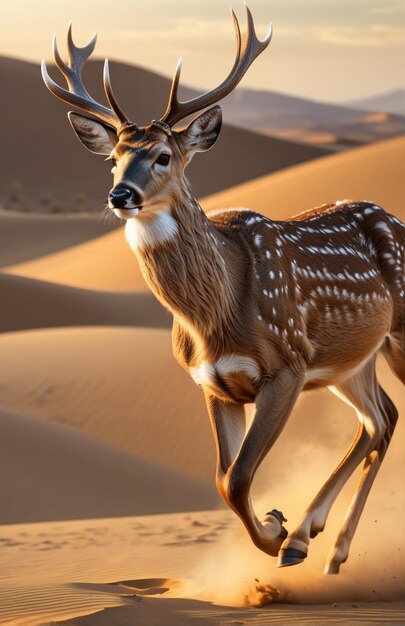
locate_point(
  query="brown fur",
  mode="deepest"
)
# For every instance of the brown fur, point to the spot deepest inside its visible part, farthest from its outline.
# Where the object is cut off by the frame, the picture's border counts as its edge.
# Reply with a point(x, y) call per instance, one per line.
point(207, 278)
point(216, 276)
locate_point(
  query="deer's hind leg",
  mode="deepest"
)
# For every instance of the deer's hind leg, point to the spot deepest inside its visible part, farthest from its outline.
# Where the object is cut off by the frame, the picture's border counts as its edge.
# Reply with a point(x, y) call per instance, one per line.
point(361, 392)
point(340, 550)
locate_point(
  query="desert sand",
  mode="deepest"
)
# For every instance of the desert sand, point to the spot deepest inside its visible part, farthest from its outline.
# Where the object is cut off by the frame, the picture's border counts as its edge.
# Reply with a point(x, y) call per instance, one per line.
point(106, 452)
point(178, 570)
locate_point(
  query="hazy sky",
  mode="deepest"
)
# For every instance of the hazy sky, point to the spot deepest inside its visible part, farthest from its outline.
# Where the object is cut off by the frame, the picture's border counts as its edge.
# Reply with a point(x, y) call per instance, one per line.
point(333, 50)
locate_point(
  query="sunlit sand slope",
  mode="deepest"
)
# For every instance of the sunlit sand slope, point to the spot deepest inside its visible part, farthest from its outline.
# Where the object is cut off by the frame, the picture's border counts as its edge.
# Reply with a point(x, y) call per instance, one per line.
point(105, 263)
point(375, 172)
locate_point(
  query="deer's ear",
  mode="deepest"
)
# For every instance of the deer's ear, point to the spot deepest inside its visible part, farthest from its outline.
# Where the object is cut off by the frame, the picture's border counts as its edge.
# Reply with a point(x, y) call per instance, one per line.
point(202, 132)
point(95, 136)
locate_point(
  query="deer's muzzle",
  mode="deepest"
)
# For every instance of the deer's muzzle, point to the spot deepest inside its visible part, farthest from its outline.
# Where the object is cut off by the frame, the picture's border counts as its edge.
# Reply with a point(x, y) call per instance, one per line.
point(122, 197)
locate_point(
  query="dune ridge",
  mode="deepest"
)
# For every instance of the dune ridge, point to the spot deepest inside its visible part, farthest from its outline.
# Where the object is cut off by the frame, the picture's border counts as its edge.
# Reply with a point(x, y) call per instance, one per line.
point(106, 263)
point(40, 304)
point(25, 237)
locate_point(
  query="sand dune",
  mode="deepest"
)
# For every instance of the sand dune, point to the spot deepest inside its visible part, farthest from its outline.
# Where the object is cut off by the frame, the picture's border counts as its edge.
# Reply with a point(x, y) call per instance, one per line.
point(49, 472)
point(37, 304)
point(296, 118)
point(105, 264)
point(121, 386)
point(65, 175)
point(24, 237)
point(373, 172)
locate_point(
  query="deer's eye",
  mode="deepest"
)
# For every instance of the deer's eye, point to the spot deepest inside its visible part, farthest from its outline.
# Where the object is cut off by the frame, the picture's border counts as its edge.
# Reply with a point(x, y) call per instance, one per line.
point(163, 159)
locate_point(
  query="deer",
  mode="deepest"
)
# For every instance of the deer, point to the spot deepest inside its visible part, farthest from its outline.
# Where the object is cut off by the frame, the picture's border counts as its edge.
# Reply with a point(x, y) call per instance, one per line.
point(262, 310)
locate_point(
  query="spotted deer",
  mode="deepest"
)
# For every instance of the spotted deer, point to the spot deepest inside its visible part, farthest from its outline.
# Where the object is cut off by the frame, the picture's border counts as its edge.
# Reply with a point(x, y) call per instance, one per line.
point(262, 309)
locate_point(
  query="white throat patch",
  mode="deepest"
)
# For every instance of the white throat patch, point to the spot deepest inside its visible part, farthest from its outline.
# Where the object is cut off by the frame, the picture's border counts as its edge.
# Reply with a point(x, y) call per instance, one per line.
point(142, 233)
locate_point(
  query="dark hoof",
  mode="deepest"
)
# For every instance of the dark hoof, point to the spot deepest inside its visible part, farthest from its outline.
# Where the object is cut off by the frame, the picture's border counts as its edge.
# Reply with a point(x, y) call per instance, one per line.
point(278, 515)
point(290, 556)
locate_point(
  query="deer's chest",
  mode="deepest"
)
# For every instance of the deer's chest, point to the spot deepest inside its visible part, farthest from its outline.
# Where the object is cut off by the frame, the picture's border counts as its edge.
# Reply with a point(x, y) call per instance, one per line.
point(224, 372)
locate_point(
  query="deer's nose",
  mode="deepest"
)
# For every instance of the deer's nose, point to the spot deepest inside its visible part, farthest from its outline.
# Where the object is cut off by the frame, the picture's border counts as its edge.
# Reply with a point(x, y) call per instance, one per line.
point(120, 197)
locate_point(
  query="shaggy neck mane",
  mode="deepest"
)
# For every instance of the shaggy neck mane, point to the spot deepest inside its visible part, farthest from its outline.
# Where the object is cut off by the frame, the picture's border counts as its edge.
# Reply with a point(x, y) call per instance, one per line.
point(188, 270)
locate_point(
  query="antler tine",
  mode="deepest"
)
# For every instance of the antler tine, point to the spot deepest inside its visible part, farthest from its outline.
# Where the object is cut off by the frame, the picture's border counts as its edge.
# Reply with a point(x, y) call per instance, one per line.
point(174, 102)
point(173, 97)
point(77, 94)
point(64, 68)
point(253, 46)
point(79, 55)
point(238, 38)
point(77, 59)
point(110, 95)
point(247, 49)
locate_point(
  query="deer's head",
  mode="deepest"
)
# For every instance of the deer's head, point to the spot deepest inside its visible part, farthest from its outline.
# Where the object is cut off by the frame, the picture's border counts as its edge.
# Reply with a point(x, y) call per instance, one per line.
point(148, 161)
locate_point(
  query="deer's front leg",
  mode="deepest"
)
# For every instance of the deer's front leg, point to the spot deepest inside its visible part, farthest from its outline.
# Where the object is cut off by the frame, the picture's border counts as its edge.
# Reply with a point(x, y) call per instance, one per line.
point(240, 454)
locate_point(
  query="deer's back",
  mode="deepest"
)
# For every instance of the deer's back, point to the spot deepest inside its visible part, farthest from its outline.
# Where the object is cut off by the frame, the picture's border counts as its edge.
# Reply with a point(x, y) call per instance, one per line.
point(328, 285)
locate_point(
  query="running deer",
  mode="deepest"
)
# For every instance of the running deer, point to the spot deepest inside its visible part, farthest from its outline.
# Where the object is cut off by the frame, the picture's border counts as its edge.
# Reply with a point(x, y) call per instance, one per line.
point(262, 309)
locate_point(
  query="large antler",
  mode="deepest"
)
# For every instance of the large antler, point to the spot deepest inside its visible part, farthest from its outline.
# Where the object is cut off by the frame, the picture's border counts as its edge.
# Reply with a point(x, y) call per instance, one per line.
point(77, 94)
point(247, 49)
